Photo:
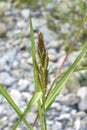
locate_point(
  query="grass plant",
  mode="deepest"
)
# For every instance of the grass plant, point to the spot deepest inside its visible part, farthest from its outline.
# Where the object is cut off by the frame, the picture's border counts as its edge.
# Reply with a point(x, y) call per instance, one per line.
point(44, 97)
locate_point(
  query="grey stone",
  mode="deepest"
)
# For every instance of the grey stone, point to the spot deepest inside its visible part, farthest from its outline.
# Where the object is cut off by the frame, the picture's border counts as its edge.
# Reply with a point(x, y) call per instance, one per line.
point(80, 114)
point(65, 90)
point(16, 96)
point(8, 57)
point(54, 105)
point(11, 24)
point(4, 120)
point(58, 107)
point(83, 105)
point(52, 57)
point(25, 13)
point(32, 88)
point(13, 117)
point(53, 44)
point(73, 111)
point(70, 99)
point(71, 86)
point(49, 122)
point(83, 126)
point(29, 61)
point(64, 116)
point(16, 73)
point(66, 109)
point(24, 65)
point(15, 64)
point(6, 79)
point(23, 83)
point(57, 126)
point(82, 93)
point(52, 51)
point(48, 34)
point(27, 96)
point(25, 55)
point(21, 24)
point(30, 117)
point(77, 124)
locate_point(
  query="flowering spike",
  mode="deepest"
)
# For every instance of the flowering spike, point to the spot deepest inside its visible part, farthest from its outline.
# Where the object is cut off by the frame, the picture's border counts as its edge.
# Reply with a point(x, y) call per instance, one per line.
point(43, 64)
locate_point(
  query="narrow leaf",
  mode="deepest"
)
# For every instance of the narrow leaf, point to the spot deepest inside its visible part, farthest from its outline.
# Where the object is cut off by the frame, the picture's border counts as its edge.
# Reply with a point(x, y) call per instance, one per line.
point(31, 103)
point(64, 79)
point(37, 85)
point(13, 104)
point(33, 48)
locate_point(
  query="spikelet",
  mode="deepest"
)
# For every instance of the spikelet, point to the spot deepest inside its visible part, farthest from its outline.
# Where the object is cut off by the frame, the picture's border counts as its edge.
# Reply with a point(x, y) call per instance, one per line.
point(42, 68)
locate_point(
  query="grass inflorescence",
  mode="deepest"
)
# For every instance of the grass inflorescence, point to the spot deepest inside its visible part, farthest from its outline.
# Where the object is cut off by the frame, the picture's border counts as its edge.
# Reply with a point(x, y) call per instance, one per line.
point(43, 96)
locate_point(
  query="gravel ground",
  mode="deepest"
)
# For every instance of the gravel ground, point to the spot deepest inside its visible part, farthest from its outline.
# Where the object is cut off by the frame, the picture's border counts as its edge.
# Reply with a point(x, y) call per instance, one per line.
point(69, 111)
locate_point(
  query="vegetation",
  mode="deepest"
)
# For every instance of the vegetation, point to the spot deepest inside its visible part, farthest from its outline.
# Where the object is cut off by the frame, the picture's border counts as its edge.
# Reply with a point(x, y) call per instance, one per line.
point(44, 97)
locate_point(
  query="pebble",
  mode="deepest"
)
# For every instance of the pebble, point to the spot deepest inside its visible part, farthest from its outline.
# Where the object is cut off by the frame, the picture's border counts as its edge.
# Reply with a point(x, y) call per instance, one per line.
point(16, 73)
point(73, 88)
point(58, 107)
point(54, 105)
point(53, 44)
point(27, 96)
point(24, 65)
point(77, 124)
point(52, 57)
point(80, 114)
point(16, 96)
point(68, 112)
point(64, 116)
point(29, 61)
point(30, 117)
point(25, 55)
point(70, 99)
point(8, 57)
point(83, 105)
point(57, 126)
point(23, 83)
point(21, 24)
point(82, 93)
point(7, 79)
point(25, 13)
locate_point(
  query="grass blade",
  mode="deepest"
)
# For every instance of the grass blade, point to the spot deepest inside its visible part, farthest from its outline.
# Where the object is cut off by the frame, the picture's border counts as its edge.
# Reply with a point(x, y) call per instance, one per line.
point(37, 86)
point(12, 103)
point(31, 103)
point(63, 80)
point(33, 48)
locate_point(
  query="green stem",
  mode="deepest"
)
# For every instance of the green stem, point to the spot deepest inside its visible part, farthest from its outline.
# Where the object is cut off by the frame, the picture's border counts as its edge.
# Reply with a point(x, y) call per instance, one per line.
point(80, 69)
point(40, 115)
point(44, 112)
point(37, 86)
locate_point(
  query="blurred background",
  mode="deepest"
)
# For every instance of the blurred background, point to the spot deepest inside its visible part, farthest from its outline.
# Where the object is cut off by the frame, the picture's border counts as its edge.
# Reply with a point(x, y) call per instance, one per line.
point(58, 20)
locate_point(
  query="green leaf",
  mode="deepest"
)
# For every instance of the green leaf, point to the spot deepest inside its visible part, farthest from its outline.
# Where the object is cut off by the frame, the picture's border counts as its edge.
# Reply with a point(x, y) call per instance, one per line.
point(13, 104)
point(81, 68)
point(31, 103)
point(33, 48)
point(37, 85)
point(53, 94)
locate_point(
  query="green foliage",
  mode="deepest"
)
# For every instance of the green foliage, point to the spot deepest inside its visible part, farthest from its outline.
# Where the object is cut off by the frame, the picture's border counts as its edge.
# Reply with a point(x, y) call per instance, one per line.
point(32, 4)
point(64, 79)
point(83, 6)
point(13, 104)
point(44, 97)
